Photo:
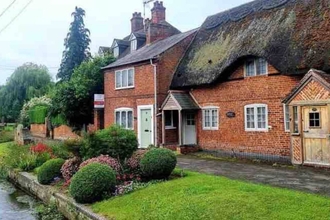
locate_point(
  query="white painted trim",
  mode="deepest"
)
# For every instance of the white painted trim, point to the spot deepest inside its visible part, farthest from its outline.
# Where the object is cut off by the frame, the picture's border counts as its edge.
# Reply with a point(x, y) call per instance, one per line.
point(147, 107)
point(255, 106)
point(210, 108)
point(255, 67)
point(284, 114)
point(125, 109)
point(126, 87)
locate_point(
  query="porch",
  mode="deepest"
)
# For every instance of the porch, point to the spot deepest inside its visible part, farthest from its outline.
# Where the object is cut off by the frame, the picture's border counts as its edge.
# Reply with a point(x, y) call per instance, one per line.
point(179, 116)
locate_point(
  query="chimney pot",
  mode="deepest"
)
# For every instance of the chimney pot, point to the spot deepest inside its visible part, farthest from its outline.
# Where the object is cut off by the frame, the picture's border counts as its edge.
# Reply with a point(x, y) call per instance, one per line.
point(136, 22)
point(158, 12)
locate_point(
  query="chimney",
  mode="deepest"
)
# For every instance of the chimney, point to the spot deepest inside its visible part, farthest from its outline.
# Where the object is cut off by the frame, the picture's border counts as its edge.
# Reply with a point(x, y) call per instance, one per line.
point(147, 22)
point(158, 12)
point(136, 22)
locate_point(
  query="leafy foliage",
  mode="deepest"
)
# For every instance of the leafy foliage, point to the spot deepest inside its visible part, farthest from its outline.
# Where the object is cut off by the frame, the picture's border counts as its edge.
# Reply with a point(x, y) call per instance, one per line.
point(158, 163)
point(49, 170)
point(114, 141)
point(74, 98)
point(36, 101)
point(48, 212)
point(133, 163)
point(27, 81)
point(92, 182)
point(103, 159)
point(38, 114)
point(76, 45)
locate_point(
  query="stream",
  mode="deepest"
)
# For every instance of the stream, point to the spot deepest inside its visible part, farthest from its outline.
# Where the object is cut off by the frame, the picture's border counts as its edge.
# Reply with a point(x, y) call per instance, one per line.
point(15, 204)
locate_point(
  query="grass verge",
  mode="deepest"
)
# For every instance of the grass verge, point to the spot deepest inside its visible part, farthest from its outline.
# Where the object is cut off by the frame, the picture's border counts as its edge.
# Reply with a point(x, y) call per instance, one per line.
point(200, 196)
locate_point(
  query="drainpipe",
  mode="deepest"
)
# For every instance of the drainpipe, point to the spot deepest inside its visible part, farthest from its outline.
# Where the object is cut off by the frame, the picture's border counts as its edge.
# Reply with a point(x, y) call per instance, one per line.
point(155, 100)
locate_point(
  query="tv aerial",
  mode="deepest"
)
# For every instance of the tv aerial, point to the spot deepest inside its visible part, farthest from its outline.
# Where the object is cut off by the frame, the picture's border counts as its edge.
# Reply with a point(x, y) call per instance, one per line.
point(146, 4)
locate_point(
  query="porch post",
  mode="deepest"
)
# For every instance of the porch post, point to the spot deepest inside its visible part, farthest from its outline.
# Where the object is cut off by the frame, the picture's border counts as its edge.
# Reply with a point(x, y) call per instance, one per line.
point(163, 127)
point(180, 128)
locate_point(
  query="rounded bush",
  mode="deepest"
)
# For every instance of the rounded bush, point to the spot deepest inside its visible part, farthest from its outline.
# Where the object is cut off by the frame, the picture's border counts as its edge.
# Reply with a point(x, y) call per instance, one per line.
point(103, 159)
point(70, 167)
point(49, 170)
point(91, 182)
point(133, 163)
point(158, 163)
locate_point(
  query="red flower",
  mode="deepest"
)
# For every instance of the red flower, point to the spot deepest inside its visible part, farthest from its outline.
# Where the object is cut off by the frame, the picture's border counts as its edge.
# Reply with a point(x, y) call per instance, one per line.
point(40, 148)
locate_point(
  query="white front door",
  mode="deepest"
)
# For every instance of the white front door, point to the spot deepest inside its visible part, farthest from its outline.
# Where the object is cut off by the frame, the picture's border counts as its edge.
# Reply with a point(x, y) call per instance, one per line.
point(189, 129)
point(145, 131)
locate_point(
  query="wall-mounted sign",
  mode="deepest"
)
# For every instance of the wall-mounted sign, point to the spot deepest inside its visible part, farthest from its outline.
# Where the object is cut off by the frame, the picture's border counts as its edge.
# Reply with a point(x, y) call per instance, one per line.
point(230, 114)
point(98, 100)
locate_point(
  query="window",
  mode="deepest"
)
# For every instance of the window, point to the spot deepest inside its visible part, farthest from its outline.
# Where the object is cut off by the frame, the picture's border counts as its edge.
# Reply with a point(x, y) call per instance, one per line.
point(116, 51)
point(314, 119)
point(295, 120)
point(125, 79)
point(210, 118)
point(256, 117)
point(124, 118)
point(256, 67)
point(286, 118)
point(169, 122)
point(133, 41)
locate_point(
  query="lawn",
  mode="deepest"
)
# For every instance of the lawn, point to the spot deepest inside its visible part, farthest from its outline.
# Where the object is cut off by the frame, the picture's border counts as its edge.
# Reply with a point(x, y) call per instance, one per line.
point(200, 196)
point(6, 135)
point(3, 148)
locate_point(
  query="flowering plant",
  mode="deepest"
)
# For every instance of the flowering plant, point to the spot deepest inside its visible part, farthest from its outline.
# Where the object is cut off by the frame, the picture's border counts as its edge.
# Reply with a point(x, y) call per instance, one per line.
point(69, 168)
point(133, 163)
point(103, 159)
point(40, 148)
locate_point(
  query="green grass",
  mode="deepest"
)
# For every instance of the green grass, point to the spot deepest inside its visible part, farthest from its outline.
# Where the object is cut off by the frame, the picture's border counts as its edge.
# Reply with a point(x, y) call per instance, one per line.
point(200, 196)
point(6, 136)
point(4, 148)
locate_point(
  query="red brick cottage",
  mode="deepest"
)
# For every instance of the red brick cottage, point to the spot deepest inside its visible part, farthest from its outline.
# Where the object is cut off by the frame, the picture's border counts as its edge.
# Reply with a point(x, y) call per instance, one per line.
point(137, 83)
point(232, 91)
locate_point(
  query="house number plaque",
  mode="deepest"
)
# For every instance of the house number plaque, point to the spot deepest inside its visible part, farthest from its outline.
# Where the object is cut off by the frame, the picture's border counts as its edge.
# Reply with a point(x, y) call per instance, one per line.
point(231, 114)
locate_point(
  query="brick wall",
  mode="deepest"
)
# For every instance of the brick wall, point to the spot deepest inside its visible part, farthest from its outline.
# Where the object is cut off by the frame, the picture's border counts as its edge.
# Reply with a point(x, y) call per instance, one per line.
point(64, 132)
point(143, 91)
point(38, 130)
point(232, 96)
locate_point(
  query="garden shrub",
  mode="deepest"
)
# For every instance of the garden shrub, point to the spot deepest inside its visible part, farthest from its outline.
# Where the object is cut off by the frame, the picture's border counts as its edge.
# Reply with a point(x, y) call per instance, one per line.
point(103, 159)
point(40, 148)
point(158, 163)
point(114, 141)
point(92, 182)
point(37, 114)
point(73, 146)
point(70, 167)
point(49, 170)
point(27, 162)
point(60, 150)
point(42, 158)
point(133, 163)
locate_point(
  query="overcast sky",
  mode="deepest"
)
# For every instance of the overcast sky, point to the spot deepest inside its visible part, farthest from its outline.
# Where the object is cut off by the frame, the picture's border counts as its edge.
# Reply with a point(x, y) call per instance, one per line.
point(37, 35)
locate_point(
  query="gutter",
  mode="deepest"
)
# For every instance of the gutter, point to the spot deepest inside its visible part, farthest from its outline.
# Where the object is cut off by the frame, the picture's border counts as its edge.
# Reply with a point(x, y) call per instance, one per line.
point(155, 100)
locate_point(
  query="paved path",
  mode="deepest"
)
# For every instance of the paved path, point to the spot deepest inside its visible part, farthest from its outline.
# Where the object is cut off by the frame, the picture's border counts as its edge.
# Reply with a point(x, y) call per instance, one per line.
point(305, 179)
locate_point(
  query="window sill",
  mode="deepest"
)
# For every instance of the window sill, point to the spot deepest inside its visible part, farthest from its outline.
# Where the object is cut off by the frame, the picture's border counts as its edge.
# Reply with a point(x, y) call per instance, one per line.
point(264, 130)
point(295, 134)
point(266, 74)
point(210, 129)
point(170, 128)
point(131, 87)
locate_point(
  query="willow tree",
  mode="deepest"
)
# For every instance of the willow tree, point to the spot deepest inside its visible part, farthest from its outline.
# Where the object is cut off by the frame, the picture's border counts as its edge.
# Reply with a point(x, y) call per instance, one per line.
point(76, 46)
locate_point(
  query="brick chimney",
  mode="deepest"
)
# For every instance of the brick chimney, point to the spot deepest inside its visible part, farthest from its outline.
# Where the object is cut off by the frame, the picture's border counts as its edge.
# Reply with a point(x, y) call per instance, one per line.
point(158, 12)
point(136, 22)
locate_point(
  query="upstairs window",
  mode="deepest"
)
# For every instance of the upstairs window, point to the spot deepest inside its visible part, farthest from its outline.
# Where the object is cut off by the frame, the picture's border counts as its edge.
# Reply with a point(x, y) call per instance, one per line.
point(116, 52)
point(125, 78)
point(256, 117)
point(133, 41)
point(124, 117)
point(256, 67)
point(210, 118)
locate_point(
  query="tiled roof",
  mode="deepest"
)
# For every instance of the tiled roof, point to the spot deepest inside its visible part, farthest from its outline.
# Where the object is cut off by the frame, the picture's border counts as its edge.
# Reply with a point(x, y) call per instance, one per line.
point(150, 51)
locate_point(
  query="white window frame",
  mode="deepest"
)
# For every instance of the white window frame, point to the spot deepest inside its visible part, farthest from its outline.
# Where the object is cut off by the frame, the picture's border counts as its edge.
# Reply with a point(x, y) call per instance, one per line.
point(255, 67)
point(125, 110)
point(210, 108)
point(168, 127)
point(133, 43)
point(286, 117)
point(116, 52)
point(121, 71)
point(255, 107)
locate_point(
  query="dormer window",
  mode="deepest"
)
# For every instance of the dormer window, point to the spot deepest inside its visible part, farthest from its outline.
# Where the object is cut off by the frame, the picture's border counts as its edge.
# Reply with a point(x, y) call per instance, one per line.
point(116, 52)
point(133, 43)
point(256, 67)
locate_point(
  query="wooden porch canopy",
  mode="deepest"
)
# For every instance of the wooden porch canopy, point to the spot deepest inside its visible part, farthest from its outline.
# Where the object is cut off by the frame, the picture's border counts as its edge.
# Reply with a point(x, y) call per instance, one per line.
point(179, 101)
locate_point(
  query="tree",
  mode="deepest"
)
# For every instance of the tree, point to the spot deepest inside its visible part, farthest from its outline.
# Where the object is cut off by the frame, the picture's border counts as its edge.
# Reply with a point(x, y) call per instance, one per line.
point(76, 46)
point(28, 81)
point(74, 98)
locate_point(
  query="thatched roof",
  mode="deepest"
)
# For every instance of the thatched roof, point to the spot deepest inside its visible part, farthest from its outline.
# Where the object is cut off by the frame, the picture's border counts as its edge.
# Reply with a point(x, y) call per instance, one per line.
point(293, 35)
